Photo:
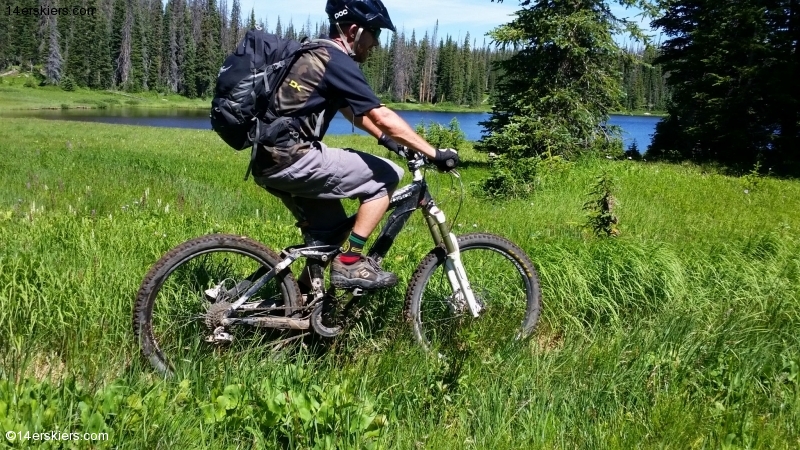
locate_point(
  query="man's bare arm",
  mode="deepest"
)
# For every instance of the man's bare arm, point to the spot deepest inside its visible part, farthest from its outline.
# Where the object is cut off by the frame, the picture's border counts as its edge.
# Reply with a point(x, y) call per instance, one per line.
point(361, 122)
point(383, 120)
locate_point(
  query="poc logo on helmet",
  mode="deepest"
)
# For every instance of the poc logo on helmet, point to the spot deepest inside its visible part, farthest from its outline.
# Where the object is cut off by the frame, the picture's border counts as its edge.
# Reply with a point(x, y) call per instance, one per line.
point(340, 14)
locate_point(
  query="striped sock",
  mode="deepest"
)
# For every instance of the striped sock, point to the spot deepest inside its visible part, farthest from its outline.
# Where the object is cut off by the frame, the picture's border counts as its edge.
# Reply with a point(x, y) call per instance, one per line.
point(352, 248)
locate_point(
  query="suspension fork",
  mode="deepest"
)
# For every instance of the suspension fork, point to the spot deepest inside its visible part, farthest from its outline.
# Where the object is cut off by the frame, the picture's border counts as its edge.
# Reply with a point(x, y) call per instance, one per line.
point(456, 274)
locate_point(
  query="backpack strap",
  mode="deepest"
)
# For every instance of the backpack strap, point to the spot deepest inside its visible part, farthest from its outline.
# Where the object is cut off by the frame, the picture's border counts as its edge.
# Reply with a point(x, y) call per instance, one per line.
point(253, 152)
point(258, 57)
point(283, 65)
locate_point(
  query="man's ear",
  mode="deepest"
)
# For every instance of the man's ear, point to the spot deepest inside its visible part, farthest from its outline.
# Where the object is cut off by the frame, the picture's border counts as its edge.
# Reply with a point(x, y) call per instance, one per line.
point(352, 30)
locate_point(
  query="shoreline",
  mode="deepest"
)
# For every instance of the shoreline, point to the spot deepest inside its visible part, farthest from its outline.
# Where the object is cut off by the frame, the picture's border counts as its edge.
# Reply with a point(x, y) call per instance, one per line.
point(14, 96)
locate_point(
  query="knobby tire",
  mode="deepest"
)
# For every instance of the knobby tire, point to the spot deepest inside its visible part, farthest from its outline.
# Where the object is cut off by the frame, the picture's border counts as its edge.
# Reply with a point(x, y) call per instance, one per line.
point(218, 245)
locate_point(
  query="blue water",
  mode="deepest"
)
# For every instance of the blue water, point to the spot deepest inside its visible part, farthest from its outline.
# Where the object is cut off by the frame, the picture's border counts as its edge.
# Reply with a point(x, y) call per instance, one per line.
point(639, 128)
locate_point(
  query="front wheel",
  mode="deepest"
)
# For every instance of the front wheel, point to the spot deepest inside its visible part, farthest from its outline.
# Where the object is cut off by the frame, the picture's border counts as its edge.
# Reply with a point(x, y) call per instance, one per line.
point(505, 284)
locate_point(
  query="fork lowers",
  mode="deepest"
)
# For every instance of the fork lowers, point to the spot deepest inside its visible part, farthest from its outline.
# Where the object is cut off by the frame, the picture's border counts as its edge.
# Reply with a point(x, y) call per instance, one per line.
point(506, 293)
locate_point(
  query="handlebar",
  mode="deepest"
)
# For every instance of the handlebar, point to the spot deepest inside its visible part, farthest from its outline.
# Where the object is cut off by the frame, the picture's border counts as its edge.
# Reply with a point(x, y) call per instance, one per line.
point(416, 160)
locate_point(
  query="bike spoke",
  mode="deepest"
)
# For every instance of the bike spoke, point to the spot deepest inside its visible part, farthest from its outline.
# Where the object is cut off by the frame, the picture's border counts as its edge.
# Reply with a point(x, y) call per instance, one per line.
point(180, 320)
point(445, 322)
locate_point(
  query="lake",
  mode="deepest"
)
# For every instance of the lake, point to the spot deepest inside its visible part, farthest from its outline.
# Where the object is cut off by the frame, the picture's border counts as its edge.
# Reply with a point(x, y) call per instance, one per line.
point(639, 128)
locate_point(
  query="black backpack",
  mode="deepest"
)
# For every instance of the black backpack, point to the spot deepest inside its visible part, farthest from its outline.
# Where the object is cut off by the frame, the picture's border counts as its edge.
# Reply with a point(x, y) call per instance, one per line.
point(246, 84)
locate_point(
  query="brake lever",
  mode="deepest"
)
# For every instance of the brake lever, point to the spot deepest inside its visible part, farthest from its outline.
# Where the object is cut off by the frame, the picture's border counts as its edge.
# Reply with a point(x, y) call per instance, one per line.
point(416, 163)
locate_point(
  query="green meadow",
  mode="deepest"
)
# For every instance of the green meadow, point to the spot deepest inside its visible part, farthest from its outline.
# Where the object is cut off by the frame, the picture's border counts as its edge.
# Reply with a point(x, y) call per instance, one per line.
point(681, 332)
point(22, 91)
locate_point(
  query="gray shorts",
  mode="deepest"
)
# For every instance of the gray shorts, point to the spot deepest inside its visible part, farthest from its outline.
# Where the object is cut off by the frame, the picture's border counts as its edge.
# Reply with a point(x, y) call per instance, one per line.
point(313, 186)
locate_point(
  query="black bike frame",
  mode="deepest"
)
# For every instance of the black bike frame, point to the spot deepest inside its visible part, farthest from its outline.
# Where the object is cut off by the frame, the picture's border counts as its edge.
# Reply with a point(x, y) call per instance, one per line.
point(404, 201)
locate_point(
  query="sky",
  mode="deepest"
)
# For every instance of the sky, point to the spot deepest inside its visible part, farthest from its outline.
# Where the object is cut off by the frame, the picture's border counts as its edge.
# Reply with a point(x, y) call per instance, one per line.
point(456, 17)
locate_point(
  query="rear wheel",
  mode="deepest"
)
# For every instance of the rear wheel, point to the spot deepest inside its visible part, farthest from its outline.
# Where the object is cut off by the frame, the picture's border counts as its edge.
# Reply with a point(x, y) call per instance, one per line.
point(185, 295)
point(505, 283)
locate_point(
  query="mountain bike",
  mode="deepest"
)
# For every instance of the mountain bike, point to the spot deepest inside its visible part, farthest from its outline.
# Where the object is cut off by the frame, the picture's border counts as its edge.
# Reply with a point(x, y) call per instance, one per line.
point(475, 291)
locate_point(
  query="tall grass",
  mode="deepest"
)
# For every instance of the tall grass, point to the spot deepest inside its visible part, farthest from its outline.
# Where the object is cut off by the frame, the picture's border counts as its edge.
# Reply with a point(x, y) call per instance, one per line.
point(680, 333)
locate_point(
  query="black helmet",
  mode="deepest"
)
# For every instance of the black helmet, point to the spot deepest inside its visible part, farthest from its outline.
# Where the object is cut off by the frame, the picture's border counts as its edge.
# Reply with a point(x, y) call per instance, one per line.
point(369, 14)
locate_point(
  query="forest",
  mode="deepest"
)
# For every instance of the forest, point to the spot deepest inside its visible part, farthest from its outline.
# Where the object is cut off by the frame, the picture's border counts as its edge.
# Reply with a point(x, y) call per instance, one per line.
point(177, 47)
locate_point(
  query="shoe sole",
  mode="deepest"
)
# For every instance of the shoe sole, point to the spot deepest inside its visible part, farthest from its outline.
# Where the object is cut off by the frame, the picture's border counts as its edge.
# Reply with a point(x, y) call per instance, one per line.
point(350, 283)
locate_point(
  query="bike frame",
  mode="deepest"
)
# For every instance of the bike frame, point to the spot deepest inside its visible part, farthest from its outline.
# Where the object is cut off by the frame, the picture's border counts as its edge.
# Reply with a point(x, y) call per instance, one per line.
point(404, 201)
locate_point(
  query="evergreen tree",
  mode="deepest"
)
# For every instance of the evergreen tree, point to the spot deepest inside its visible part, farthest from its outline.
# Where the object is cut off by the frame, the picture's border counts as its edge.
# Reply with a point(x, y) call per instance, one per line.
point(224, 28)
point(101, 72)
point(290, 32)
point(431, 68)
point(188, 51)
point(25, 42)
point(79, 55)
point(6, 37)
point(252, 22)
point(122, 38)
point(155, 39)
point(466, 73)
point(397, 53)
point(54, 61)
point(139, 56)
point(236, 19)
point(177, 44)
point(558, 89)
point(419, 86)
point(733, 79)
point(209, 56)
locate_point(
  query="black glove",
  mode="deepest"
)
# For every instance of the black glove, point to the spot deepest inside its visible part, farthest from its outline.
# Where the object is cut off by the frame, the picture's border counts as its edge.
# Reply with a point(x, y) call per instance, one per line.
point(389, 143)
point(446, 159)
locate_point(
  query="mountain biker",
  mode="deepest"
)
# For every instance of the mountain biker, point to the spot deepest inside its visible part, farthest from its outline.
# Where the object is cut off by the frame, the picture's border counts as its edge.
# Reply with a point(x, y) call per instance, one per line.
point(312, 178)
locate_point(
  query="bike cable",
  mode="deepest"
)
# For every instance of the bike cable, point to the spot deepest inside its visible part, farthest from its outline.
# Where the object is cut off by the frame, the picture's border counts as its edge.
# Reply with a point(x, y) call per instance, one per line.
point(460, 200)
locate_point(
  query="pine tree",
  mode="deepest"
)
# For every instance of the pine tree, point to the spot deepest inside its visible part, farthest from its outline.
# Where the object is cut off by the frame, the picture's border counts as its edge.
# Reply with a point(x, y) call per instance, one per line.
point(209, 56)
point(176, 49)
point(79, 61)
point(140, 59)
point(252, 22)
point(236, 12)
point(155, 40)
point(733, 70)
point(54, 61)
point(420, 74)
point(25, 40)
point(188, 84)
point(6, 37)
point(101, 72)
point(224, 28)
point(290, 32)
point(121, 41)
point(431, 67)
point(398, 57)
point(556, 92)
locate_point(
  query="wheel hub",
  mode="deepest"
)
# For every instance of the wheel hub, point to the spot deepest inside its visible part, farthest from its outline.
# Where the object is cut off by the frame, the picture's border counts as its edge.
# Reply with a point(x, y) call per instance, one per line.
point(214, 316)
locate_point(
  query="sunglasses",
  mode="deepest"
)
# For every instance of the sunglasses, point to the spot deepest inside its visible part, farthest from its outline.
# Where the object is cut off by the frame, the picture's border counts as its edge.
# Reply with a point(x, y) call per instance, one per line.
point(376, 33)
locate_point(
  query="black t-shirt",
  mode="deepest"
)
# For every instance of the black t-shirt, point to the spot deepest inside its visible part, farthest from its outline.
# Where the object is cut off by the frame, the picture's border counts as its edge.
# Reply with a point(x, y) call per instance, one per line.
point(320, 83)
point(325, 79)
